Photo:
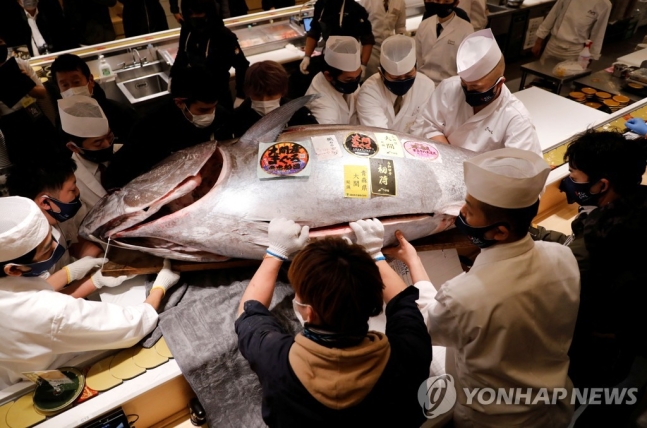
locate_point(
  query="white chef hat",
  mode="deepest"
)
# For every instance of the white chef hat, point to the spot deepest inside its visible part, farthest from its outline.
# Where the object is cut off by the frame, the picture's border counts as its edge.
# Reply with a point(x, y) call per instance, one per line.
point(477, 55)
point(82, 117)
point(506, 178)
point(343, 53)
point(398, 55)
point(23, 227)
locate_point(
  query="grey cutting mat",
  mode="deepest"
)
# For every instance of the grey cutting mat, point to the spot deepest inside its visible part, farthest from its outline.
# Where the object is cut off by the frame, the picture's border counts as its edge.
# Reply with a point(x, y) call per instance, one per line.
point(200, 333)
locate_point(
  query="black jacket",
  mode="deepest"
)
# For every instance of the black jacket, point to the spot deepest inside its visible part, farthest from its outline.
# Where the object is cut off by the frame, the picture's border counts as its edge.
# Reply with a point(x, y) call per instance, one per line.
point(143, 17)
point(355, 22)
point(393, 400)
point(222, 7)
point(52, 25)
point(218, 50)
point(90, 20)
point(245, 116)
point(157, 136)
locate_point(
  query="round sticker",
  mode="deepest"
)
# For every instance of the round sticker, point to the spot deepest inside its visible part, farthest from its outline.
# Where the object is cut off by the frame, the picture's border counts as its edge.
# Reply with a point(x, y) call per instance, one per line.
point(360, 145)
point(284, 159)
point(422, 150)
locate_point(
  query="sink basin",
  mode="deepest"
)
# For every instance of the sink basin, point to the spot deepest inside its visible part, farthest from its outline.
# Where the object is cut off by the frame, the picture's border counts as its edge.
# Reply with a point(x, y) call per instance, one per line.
point(140, 71)
point(144, 88)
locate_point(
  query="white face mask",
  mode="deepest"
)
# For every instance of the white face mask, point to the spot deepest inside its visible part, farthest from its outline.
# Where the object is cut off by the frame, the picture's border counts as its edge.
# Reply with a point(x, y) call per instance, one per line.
point(79, 90)
point(201, 120)
point(295, 307)
point(264, 107)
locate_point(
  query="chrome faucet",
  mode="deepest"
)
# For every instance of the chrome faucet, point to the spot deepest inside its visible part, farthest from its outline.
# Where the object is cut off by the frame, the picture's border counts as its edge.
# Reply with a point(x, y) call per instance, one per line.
point(136, 57)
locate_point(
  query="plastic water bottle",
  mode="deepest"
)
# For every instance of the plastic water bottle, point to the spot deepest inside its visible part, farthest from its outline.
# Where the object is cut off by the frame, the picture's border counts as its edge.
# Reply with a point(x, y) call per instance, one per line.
point(585, 55)
point(104, 67)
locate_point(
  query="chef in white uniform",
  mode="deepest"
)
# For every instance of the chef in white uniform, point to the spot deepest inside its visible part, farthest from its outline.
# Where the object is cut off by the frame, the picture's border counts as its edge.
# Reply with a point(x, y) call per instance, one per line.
point(477, 12)
point(338, 83)
point(509, 321)
point(387, 17)
point(571, 23)
point(437, 41)
point(475, 110)
point(395, 97)
point(91, 141)
point(41, 328)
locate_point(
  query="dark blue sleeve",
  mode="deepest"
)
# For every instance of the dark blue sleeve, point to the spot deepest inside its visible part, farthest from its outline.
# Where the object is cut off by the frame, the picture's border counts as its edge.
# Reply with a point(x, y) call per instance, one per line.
point(262, 340)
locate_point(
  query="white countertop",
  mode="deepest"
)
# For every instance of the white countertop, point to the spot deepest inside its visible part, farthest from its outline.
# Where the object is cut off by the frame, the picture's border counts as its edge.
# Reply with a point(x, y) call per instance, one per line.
point(635, 58)
point(557, 118)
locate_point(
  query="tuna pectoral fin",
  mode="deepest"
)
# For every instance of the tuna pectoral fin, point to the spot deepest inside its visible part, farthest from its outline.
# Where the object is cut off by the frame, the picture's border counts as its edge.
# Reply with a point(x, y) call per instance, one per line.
point(268, 128)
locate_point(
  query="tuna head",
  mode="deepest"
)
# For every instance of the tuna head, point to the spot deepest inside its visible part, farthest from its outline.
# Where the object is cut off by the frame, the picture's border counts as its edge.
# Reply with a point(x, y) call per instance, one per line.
point(208, 202)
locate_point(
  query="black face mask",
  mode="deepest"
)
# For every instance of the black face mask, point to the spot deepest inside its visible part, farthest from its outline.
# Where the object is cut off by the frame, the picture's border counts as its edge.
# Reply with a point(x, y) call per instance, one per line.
point(476, 98)
point(98, 156)
point(399, 87)
point(4, 53)
point(440, 9)
point(67, 210)
point(198, 24)
point(579, 192)
point(476, 234)
point(346, 87)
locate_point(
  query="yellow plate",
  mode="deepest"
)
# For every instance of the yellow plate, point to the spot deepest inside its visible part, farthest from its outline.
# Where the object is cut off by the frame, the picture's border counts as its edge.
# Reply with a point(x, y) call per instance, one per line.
point(162, 348)
point(621, 99)
point(23, 414)
point(148, 358)
point(99, 377)
point(603, 95)
point(123, 366)
point(589, 91)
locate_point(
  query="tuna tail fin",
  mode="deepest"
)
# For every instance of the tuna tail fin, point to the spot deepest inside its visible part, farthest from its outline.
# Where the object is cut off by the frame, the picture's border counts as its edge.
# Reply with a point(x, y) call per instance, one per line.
point(268, 128)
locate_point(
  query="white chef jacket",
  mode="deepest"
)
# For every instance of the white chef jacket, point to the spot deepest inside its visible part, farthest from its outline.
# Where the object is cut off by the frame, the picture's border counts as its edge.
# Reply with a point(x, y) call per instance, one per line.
point(37, 39)
point(437, 55)
point(571, 23)
point(384, 24)
point(375, 105)
point(332, 107)
point(509, 322)
point(42, 329)
point(88, 179)
point(476, 10)
point(503, 123)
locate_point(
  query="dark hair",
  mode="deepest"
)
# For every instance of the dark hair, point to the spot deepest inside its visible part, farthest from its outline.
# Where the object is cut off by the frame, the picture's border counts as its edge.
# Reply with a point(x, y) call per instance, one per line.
point(69, 62)
point(518, 220)
point(195, 83)
point(208, 7)
point(340, 281)
point(609, 155)
point(266, 78)
point(28, 180)
point(73, 138)
point(22, 260)
point(334, 72)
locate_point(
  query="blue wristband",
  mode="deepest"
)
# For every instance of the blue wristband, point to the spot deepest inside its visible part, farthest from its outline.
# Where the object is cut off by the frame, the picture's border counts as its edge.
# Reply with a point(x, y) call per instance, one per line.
point(276, 256)
point(379, 258)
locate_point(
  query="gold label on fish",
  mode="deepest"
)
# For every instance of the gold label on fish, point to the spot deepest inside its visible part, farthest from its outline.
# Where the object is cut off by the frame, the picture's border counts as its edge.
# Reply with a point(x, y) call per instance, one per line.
point(360, 145)
point(356, 181)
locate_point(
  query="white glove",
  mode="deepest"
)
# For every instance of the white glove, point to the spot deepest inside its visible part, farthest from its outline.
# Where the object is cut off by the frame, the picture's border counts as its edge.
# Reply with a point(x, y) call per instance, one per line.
point(286, 238)
point(108, 281)
point(166, 278)
point(238, 102)
point(363, 72)
point(303, 67)
point(370, 235)
point(80, 268)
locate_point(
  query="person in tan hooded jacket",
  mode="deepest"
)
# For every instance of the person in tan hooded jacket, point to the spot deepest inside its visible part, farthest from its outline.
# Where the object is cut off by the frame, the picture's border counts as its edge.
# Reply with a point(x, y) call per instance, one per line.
point(336, 372)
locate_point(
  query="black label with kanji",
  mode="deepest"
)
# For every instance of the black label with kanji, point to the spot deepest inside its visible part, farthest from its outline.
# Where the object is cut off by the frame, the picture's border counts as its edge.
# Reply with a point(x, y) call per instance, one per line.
point(360, 145)
point(383, 177)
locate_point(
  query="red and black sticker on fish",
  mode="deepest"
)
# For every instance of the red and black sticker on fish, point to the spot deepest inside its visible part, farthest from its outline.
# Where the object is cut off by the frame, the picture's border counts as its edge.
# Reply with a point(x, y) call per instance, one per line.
point(284, 158)
point(360, 145)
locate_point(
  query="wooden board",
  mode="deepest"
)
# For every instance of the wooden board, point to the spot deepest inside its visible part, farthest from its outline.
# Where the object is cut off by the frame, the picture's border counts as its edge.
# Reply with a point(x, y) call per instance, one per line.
point(130, 262)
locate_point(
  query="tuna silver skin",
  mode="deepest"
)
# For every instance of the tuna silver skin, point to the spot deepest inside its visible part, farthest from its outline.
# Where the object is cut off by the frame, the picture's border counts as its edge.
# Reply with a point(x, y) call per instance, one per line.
point(206, 203)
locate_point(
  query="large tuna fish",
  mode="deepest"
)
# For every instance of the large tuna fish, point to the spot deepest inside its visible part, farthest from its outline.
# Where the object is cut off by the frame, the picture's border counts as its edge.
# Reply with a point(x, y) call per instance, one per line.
point(208, 203)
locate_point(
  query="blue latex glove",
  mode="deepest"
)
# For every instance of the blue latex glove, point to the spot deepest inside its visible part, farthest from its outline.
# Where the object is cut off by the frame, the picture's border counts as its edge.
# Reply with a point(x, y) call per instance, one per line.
point(637, 125)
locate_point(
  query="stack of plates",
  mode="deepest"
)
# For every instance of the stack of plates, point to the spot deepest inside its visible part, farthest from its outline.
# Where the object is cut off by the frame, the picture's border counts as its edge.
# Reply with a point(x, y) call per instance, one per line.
point(577, 97)
point(589, 92)
point(593, 104)
point(613, 105)
point(602, 96)
point(621, 99)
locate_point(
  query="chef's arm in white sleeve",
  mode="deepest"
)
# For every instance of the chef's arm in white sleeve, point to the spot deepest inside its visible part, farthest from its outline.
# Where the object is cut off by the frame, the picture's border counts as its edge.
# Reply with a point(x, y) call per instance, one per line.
point(547, 25)
point(432, 127)
point(597, 33)
point(442, 323)
point(323, 109)
point(370, 109)
point(521, 134)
